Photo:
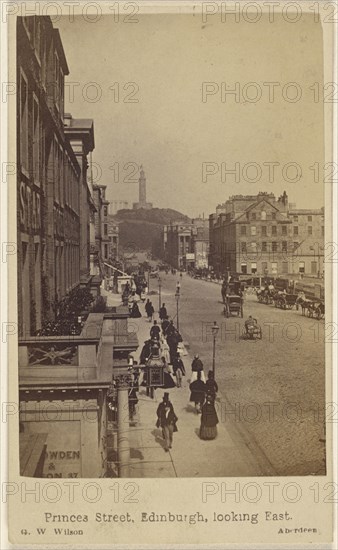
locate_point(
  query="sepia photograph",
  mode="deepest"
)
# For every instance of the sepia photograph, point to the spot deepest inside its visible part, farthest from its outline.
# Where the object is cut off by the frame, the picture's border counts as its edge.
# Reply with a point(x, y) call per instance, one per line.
point(173, 264)
point(171, 240)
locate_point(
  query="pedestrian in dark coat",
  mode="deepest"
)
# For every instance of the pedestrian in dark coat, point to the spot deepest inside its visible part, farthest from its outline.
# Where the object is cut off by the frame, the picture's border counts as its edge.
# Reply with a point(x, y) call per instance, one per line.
point(197, 395)
point(197, 367)
point(155, 331)
point(166, 419)
point(178, 364)
point(211, 386)
point(209, 419)
point(170, 331)
point(149, 310)
point(135, 312)
point(163, 312)
point(172, 343)
point(146, 352)
point(179, 370)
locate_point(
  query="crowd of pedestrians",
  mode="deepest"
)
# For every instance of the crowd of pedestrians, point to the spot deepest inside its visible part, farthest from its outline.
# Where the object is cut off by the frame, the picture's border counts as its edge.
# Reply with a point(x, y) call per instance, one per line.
point(164, 348)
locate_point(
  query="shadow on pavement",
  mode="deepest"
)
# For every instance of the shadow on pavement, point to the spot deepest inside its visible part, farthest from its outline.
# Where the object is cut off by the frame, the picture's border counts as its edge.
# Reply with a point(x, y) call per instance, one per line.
point(158, 437)
point(190, 409)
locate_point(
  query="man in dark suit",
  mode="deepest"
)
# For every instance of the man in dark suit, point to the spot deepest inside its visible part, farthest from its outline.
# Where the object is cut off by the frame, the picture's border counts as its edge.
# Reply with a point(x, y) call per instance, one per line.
point(163, 313)
point(166, 419)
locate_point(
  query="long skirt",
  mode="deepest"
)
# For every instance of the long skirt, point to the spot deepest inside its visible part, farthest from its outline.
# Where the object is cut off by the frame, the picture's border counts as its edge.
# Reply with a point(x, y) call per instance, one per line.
point(208, 432)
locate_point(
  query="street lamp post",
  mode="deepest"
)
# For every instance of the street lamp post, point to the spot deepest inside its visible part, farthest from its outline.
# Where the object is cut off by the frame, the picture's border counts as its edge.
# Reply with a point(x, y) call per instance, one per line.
point(177, 296)
point(214, 330)
point(159, 293)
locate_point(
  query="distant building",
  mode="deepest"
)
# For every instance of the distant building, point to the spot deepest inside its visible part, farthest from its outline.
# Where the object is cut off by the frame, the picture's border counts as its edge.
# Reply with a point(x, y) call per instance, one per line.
point(80, 133)
point(113, 235)
point(186, 245)
point(142, 202)
point(200, 237)
point(259, 234)
point(101, 225)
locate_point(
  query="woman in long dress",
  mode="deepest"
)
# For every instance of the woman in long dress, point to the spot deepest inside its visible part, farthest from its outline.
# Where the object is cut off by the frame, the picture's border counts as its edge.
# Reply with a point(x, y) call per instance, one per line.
point(209, 419)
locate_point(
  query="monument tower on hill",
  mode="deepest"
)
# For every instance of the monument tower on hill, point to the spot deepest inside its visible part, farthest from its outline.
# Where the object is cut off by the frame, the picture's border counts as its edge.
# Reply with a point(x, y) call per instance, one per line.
point(142, 190)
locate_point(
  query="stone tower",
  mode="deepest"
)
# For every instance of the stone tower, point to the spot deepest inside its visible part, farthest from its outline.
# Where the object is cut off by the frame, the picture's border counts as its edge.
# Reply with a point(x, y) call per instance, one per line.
point(142, 191)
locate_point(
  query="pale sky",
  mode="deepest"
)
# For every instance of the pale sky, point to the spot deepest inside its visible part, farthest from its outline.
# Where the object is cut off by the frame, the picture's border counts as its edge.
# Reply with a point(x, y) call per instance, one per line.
point(171, 131)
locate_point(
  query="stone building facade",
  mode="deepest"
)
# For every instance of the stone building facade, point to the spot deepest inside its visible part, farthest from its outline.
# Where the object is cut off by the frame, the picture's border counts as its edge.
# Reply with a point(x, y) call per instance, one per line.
point(265, 236)
point(186, 245)
point(52, 194)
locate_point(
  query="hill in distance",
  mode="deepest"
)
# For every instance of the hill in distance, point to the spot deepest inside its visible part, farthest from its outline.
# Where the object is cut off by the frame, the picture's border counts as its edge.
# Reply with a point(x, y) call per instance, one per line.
point(161, 216)
point(142, 228)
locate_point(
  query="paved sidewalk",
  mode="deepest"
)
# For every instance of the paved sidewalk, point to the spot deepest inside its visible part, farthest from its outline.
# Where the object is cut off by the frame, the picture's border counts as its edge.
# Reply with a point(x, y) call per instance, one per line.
point(227, 455)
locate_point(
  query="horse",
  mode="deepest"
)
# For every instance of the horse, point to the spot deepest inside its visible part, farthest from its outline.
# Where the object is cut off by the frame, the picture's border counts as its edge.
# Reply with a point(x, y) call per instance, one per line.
point(304, 304)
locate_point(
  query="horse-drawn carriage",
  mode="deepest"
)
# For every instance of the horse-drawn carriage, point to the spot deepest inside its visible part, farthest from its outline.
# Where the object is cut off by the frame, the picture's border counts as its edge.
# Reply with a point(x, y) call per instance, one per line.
point(312, 308)
point(232, 296)
point(316, 310)
point(285, 301)
point(265, 296)
point(233, 304)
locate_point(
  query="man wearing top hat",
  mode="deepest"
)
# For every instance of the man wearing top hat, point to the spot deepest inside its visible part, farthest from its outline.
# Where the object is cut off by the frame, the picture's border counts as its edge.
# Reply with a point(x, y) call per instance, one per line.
point(166, 419)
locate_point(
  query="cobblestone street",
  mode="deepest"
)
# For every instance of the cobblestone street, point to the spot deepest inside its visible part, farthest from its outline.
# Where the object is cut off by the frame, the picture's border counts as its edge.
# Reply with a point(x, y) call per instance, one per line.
point(272, 389)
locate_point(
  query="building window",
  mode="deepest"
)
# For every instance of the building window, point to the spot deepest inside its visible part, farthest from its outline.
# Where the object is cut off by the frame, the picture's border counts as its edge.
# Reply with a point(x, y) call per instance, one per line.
point(273, 215)
point(295, 230)
point(284, 267)
point(309, 218)
point(301, 267)
point(253, 215)
point(263, 215)
point(274, 246)
point(284, 230)
point(106, 251)
point(254, 267)
point(253, 230)
point(263, 230)
point(244, 269)
point(274, 268)
point(105, 210)
point(274, 230)
point(309, 230)
point(284, 246)
point(243, 229)
point(295, 246)
point(105, 229)
point(265, 267)
point(314, 268)
point(295, 218)
point(243, 247)
point(264, 246)
point(254, 247)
